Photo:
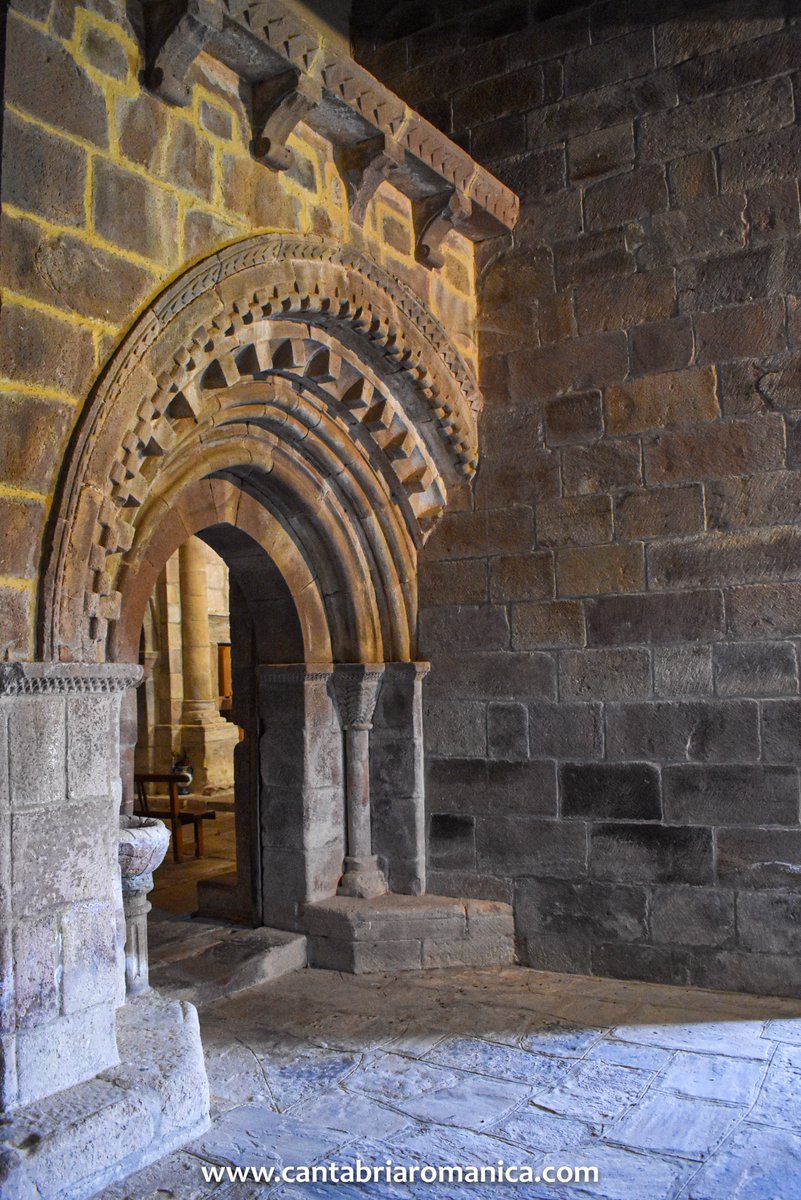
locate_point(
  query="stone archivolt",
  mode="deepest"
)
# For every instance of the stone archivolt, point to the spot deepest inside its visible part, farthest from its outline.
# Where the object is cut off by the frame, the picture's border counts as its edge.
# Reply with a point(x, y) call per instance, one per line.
point(314, 383)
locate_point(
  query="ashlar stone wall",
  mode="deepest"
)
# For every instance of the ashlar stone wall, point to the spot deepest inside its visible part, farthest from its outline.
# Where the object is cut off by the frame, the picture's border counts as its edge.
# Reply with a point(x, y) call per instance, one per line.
point(108, 193)
point(613, 719)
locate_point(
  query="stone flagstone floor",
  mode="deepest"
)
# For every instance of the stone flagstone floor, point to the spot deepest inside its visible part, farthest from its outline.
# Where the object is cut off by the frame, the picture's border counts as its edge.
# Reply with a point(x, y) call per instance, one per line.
point(673, 1094)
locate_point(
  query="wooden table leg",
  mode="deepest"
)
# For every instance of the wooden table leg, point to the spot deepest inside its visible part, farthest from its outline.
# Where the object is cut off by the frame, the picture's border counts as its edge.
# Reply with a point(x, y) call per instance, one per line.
point(199, 839)
point(175, 822)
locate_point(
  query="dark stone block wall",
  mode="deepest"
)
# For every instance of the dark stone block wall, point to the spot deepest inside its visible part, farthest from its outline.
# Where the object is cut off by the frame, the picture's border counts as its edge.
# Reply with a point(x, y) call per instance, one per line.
point(613, 715)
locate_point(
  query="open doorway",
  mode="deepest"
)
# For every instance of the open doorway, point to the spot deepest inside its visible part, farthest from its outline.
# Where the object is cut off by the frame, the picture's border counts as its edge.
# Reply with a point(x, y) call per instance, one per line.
point(186, 732)
point(220, 609)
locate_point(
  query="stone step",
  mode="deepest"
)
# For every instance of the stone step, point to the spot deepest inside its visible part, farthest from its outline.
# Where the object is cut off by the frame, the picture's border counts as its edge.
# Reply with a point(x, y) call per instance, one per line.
point(219, 898)
point(73, 1144)
point(408, 933)
point(201, 961)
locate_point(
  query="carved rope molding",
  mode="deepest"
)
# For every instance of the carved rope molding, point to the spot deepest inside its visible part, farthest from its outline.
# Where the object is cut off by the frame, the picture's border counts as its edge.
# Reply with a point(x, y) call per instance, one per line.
point(295, 75)
point(422, 418)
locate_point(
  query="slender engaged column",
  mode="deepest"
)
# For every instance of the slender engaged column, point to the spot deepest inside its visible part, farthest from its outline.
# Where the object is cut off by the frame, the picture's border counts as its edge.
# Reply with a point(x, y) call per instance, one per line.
point(357, 759)
point(136, 906)
point(356, 689)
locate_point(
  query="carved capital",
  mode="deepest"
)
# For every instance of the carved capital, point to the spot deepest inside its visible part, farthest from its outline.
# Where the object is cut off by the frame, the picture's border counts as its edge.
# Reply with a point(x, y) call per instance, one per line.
point(355, 689)
point(434, 217)
point(278, 104)
point(176, 34)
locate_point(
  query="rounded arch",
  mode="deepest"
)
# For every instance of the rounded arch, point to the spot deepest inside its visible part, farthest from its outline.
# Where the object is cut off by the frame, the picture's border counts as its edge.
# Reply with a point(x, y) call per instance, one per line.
point(285, 386)
point(203, 505)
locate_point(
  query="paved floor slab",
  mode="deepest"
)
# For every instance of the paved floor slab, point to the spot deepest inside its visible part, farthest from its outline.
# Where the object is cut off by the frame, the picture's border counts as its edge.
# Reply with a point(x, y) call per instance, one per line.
point(672, 1094)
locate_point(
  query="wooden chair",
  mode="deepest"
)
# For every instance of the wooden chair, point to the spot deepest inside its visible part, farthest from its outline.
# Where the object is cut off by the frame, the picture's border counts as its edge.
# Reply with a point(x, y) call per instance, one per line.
point(193, 815)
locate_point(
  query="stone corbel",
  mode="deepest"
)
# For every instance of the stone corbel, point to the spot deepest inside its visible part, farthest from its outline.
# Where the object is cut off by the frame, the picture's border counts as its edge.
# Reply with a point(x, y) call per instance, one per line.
point(434, 217)
point(278, 104)
point(175, 36)
point(363, 167)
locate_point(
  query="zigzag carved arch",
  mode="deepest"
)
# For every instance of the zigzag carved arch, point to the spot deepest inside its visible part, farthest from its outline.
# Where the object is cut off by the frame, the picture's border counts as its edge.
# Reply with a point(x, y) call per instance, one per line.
point(306, 377)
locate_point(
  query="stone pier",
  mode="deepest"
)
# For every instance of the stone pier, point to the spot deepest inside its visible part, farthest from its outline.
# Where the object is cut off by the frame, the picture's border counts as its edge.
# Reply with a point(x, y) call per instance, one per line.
point(60, 920)
point(91, 1088)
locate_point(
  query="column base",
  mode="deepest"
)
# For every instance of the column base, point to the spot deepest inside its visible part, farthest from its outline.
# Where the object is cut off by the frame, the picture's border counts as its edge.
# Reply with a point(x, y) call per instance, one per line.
point(408, 933)
point(209, 745)
point(363, 878)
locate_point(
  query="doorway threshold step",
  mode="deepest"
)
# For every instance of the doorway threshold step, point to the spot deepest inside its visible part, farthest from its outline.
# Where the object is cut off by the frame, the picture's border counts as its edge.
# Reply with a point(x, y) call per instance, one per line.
point(201, 961)
point(408, 933)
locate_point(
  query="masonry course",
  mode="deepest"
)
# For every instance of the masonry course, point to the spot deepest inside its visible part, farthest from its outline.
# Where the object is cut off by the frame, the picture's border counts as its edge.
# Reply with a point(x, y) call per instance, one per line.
point(643, 404)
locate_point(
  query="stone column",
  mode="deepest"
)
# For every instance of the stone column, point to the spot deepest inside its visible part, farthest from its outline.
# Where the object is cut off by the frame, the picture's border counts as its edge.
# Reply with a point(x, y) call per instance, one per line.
point(137, 906)
point(206, 737)
point(198, 696)
point(356, 689)
point(60, 902)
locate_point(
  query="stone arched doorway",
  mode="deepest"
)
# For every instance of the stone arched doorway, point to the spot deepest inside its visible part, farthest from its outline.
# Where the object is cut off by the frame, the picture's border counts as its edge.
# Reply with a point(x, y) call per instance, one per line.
point(313, 381)
point(291, 393)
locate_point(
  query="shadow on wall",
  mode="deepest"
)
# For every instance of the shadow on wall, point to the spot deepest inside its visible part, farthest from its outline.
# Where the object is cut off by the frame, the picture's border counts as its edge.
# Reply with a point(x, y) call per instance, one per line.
point(382, 23)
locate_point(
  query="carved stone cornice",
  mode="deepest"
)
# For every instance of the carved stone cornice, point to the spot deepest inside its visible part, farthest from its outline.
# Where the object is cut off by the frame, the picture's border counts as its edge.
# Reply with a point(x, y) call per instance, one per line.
point(355, 688)
point(294, 74)
point(177, 33)
point(67, 679)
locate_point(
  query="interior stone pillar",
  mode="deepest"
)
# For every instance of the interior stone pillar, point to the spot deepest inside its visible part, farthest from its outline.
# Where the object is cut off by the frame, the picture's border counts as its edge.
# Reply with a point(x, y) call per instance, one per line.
point(302, 793)
point(356, 688)
point(60, 900)
point(168, 676)
point(207, 738)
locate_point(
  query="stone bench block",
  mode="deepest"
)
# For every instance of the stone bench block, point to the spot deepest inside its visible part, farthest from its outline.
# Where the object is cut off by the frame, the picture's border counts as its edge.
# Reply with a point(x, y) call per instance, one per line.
point(407, 933)
point(397, 917)
point(487, 950)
